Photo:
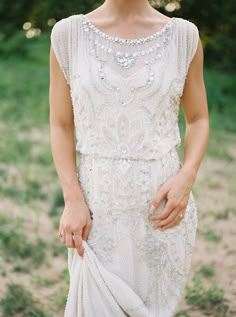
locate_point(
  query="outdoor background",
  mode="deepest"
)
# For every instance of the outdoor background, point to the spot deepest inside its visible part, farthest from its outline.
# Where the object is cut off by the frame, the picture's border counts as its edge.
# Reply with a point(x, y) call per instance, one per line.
point(33, 262)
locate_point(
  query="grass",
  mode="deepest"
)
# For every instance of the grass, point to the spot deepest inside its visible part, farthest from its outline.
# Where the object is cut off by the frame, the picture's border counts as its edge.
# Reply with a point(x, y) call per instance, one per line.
point(207, 271)
point(58, 249)
point(57, 204)
point(208, 299)
point(224, 215)
point(221, 98)
point(14, 243)
point(24, 93)
point(41, 281)
point(2, 271)
point(19, 268)
point(58, 299)
point(182, 313)
point(24, 195)
point(210, 234)
point(18, 300)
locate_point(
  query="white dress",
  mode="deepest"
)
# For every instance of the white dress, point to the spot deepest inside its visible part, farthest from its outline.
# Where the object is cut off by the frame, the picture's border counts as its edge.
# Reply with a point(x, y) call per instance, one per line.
point(126, 97)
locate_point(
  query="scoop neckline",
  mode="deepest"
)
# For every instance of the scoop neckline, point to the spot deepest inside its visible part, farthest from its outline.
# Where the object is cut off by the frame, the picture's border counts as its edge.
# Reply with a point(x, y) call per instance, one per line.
point(123, 39)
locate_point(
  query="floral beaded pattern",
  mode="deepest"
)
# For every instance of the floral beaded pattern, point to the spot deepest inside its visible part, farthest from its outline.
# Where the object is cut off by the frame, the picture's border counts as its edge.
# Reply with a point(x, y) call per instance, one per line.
point(125, 98)
point(122, 213)
point(113, 105)
point(127, 59)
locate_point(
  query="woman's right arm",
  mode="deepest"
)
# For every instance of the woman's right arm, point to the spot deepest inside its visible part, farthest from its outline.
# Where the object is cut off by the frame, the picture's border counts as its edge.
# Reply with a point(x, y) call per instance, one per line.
point(75, 218)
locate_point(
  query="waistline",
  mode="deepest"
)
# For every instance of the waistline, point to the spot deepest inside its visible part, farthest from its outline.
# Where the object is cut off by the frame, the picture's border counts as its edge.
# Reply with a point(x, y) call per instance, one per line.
point(172, 152)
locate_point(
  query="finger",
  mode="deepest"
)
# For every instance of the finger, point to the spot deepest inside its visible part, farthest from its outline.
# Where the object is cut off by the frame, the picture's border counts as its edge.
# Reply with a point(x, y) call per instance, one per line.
point(79, 244)
point(175, 222)
point(165, 212)
point(86, 231)
point(69, 240)
point(158, 198)
point(78, 241)
point(61, 234)
point(62, 238)
point(169, 219)
point(170, 225)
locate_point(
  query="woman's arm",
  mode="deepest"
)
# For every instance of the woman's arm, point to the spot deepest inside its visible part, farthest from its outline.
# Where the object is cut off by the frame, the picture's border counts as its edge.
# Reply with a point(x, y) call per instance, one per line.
point(75, 218)
point(62, 132)
point(177, 189)
point(194, 102)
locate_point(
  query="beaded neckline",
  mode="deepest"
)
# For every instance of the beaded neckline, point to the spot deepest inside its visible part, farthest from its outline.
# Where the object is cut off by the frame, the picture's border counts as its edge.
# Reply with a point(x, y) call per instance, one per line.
point(127, 41)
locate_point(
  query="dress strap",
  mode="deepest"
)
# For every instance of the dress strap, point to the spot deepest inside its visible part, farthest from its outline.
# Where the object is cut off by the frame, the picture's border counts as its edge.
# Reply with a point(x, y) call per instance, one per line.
point(187, 43)
point(64, 37)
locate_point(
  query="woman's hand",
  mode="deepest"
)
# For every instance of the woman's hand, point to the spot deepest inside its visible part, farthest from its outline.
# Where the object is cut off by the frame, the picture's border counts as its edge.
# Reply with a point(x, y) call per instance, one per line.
point(75, 224)
point(176, 190)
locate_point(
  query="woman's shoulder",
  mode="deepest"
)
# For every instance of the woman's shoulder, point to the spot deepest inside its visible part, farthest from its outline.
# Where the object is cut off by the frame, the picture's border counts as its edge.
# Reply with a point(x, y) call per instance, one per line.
point(187, 39)
point(186, 26)
point(62, 25)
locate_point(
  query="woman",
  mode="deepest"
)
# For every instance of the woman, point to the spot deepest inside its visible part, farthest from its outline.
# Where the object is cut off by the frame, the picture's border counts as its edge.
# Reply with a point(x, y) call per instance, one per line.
point(118, 75)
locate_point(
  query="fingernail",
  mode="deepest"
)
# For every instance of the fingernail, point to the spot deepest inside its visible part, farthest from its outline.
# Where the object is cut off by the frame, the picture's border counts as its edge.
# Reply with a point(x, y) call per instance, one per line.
point(152, 208)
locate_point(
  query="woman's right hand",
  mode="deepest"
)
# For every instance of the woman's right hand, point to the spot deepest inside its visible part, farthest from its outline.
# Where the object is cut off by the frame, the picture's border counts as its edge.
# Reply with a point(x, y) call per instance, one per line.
point(75, 224)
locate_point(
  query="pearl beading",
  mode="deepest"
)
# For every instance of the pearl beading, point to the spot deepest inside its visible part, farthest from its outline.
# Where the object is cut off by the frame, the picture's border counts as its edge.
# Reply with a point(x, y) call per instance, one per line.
point(128, 59)
point(125, 59)
point(89, 25)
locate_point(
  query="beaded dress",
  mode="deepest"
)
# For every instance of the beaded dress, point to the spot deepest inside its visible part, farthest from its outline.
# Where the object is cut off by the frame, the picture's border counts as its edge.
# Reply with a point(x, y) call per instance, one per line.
point(126, 95)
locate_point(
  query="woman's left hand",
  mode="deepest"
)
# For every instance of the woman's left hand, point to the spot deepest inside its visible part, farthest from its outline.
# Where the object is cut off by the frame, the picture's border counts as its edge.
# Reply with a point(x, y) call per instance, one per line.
point(176, 190)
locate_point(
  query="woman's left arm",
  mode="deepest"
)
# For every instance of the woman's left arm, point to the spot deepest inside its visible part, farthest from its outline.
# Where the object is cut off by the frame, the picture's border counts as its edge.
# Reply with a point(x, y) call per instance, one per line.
point(177, 189)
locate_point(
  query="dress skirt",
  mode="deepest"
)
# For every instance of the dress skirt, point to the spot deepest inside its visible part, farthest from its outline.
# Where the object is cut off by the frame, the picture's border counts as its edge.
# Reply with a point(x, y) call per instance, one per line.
point(129, 268)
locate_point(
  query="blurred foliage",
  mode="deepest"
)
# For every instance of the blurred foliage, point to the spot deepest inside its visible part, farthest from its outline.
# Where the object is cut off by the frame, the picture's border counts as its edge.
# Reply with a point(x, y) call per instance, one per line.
point(217, 24)
point(14, 15)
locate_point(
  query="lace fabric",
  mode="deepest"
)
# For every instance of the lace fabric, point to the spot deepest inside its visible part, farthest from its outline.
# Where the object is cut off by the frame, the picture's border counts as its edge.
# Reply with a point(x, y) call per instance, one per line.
point(125, 97)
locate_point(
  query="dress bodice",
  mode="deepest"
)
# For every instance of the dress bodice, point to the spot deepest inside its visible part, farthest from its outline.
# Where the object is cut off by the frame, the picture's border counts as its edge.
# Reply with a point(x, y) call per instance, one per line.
point(125, 92)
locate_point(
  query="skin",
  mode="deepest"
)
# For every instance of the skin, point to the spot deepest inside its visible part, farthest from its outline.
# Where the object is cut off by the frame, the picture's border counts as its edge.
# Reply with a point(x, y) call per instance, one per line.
point(127, 19)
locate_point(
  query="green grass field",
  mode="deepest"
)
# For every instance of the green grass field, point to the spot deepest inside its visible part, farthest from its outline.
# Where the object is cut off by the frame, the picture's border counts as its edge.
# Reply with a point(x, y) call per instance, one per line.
point(33, 263)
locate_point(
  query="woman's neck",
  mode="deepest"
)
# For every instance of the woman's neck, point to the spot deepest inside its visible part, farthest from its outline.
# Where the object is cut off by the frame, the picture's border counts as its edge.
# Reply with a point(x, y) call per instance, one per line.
point(127, 8)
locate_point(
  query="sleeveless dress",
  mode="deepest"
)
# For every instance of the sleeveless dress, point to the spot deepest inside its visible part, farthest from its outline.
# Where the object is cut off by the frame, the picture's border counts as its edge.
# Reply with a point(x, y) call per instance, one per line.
point(126, 96)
